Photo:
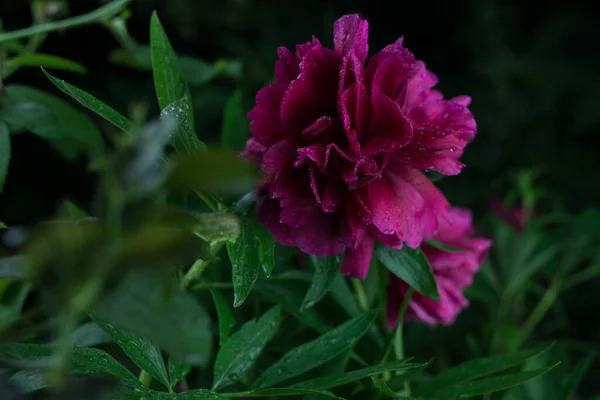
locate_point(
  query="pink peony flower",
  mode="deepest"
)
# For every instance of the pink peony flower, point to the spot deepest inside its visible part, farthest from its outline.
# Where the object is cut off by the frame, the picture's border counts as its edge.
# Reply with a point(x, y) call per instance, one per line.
point(341, 143)
point(453, 273)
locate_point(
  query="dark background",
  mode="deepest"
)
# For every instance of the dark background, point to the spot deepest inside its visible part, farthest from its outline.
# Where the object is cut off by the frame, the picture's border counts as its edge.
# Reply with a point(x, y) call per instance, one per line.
point(531, 68)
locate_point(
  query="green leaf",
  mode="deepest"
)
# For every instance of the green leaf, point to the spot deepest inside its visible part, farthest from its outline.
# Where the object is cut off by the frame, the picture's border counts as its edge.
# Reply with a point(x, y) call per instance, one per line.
point(277, 392)
point(172, 91)
point(477, 368)
point(383, 388)
point(225, 313)
point(316, 352)
point(30, 380)
point(3, 225)
point(148, 304)
point(45, 60)
point(184, 139)
point(235, 125)
point(412, 267)
point(4, 153)
point(443, 246)
point(90, 334)
point(331, 381)
point(266, 247)
point(213, 170)
point(218, 227)
point(290, 300)
point(177, 371)
point(92, 103)
point(326, 270)
point(74, 211)
point(49, 117)
point(341, 293)
point(577, 374)
point(143, 353)
point(84, 360)
point(490, 385)
point(243, 348)
point(245, 261)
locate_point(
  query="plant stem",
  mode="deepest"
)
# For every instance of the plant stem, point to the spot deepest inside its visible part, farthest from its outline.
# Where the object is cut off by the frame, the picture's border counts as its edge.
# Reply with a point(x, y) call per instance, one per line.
point(101, 13)
point(398, 334)
point(359, 292)
point(581, 277)
point(198, 267)
point(145, 378)
point(538, 312)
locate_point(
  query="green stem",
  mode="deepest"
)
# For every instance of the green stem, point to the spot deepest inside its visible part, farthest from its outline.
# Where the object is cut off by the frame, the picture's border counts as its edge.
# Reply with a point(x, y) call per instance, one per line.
point(359, 292)
point(581, 277)
point(145, 378)
point(538, 312)
point(398, 334)
point(101, 13)
point(198, 267)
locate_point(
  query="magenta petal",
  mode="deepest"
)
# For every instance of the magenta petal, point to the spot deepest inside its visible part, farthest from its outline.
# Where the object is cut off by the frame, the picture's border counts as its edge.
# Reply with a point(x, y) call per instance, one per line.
point(313, 94)
point(287, 67)
point(269, 213)
point(356, 261)
point(350, 32)
point(441, 131)
point(392, 74)
point(390, 129)
point(266, 124)
point(397, 208)
point(254, 151)
point(419, 87)
point(320, 235)
point(278, 156)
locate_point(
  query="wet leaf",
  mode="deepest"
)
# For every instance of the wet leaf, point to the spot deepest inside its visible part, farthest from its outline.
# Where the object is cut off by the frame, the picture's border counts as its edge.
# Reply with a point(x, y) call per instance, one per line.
point(477, 368)
point(177, 371)
point(148, 304)
point(218, 227)
point(331, 381)
point(245, 261)
point(84, 360)
point(90, 334)
point(326, 270)
point(93, 104)
point(412, 267)
point(143, 353)
point(316, 352)
point(243, 348)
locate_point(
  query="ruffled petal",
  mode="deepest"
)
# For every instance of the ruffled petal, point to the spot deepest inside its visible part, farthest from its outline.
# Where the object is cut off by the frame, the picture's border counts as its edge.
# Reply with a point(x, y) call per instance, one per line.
point(266, 126)
point(390, 129)
point(313, 94)
point(351, 33)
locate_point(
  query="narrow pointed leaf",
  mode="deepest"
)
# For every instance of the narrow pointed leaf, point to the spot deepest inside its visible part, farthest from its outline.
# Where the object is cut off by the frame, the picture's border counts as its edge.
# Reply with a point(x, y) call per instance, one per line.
point(316, 352)
point(245, 261)
point(331, 381)
point(90, 334)
point(326, 270)
point(45, 60)
point(477, 368)
point(143, 353)
point(195, 394)
point(266, 247)
point(243, 348)
point(491, 385)
point(92, 103)
point(383, 388)
point(412, 267)
point(225, 313)
point(172, 90)
point(84, 360)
